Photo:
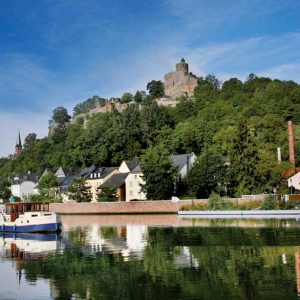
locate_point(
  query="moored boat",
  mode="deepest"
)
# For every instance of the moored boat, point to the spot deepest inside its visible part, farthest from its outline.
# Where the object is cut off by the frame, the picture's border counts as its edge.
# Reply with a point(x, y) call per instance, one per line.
point(28, 217)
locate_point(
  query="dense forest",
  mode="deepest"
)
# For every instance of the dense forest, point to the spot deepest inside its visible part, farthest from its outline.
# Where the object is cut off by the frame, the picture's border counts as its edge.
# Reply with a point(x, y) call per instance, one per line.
point(234, 128)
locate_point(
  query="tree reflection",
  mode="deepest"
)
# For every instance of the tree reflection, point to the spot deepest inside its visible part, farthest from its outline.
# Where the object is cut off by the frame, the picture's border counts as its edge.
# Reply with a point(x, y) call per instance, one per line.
point(179, 263)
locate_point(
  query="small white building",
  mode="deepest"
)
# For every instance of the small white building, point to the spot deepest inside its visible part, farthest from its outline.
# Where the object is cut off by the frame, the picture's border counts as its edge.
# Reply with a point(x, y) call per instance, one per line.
point(294, 181)
point(23, 185)
point(134, 182)
point(183, 162)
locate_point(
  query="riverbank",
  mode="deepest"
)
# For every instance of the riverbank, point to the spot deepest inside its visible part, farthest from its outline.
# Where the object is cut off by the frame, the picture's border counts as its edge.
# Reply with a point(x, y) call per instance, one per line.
point(136, 207)
point(161, 207)
point(262, 214)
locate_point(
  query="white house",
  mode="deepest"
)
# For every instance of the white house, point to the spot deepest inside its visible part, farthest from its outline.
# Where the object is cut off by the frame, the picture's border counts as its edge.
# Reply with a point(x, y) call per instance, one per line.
point(133, 184)
point(23, 185)
point(134, 180)
point(127, 166)
point(183, 162)
point(294, 181)
point(98, 177)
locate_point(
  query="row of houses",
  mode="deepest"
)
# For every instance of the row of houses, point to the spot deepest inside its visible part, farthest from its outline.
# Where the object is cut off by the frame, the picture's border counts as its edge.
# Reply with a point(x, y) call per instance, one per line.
point(127, 179)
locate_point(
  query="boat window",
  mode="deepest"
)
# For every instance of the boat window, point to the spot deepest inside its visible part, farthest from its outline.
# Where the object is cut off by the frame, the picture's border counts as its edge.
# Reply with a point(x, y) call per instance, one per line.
point(47, 214)
point(34, 215)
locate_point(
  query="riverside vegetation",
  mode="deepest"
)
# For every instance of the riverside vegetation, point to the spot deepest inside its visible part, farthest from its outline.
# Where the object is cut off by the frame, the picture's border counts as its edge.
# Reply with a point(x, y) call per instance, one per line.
point(234, 128)
point(215, 202)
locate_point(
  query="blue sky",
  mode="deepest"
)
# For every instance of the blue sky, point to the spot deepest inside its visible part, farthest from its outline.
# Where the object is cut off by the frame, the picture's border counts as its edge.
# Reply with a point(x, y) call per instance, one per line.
point(59, 53)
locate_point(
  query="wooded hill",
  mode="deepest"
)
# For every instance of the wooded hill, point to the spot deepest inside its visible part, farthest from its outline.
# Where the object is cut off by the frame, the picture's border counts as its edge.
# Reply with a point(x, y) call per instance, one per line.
point(233, 128)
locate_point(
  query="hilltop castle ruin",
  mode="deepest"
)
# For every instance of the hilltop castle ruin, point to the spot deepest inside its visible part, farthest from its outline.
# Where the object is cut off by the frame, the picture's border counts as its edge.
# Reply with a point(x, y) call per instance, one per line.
point(180, 82)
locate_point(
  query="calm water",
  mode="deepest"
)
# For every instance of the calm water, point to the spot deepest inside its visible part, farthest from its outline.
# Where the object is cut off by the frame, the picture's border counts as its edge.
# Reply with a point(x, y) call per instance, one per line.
point(154, 257)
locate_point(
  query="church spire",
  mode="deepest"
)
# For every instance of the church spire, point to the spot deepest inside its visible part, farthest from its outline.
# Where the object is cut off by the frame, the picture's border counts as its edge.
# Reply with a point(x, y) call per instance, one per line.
point(18, 147)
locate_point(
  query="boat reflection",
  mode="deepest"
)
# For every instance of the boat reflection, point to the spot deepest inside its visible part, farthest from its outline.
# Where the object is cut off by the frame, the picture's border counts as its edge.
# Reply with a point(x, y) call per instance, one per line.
point(27, 246)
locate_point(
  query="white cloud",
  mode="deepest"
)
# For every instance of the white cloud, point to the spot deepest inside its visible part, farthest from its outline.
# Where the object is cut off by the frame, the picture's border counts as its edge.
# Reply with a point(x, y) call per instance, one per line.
point(284, 72)
point(202, 15)
point(253, 55)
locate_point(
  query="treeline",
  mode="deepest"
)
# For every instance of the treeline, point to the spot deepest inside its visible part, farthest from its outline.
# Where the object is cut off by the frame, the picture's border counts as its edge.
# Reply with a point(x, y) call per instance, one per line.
point(233, 128)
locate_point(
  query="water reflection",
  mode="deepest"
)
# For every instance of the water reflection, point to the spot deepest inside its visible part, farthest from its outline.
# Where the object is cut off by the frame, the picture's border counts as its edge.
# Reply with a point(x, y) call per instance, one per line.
point(126, 257)
point(19, 246)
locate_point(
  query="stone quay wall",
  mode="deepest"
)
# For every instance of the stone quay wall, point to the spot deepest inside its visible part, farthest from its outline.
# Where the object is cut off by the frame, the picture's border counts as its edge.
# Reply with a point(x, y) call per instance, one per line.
point(134, 207)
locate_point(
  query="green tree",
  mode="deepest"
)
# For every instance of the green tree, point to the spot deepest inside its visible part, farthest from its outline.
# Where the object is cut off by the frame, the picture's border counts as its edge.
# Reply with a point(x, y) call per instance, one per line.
point(79, 190)
point(207, 175)
point(184, 109)
point(156, 88)
point(138, 97)
point(127, 136)
point(108, 195)
point(153, 118)
point(126, 97)
point(4, 189)
point(60, 116)
point(243, 161)
point(47, 185)
point(30, 139)
point(159, 173)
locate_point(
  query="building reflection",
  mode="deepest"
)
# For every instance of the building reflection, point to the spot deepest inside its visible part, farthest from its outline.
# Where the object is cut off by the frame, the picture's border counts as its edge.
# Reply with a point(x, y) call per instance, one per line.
point(129, 241)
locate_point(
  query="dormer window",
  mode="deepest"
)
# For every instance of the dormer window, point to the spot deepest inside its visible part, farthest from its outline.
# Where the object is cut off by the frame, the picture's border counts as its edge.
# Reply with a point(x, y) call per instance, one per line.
point(91, 175)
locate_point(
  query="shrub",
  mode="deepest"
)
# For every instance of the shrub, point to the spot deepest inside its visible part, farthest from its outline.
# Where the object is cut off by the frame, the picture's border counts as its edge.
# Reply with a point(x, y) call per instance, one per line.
point(269, 203)
point(194, 206)
point(40, 198)
point(108, 195)
point(215, 202)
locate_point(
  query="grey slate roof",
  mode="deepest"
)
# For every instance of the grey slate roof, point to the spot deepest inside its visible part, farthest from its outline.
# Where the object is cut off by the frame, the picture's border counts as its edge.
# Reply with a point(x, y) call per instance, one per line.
point(102, 172)
point(85, 173)
point(63, 172)
point(131, 164)
point(179, 160)
point(25, 177)
point(115, 181)
point(137, 169)
point(66, 181)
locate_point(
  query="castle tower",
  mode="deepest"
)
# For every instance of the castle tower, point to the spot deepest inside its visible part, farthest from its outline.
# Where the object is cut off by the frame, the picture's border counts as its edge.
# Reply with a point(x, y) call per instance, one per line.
point(18, 147)
point(182, 66)
point(180, 82)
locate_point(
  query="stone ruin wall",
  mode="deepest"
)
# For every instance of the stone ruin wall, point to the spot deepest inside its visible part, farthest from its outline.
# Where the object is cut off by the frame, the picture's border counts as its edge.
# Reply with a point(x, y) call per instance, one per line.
point(108, 107)
point(179, 83)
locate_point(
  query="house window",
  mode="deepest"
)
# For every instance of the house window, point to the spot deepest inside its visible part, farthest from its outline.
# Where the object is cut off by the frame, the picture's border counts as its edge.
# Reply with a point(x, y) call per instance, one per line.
point(130, 183)
point(130, 193)
point(135, 176)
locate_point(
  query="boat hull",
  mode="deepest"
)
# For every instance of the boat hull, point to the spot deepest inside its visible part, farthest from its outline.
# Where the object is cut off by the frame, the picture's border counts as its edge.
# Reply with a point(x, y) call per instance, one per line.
point(52, 227)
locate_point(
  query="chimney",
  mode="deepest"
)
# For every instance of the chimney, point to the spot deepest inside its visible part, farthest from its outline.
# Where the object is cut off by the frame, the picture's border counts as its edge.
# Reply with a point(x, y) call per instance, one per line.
point(279, 154)
point(291, 143)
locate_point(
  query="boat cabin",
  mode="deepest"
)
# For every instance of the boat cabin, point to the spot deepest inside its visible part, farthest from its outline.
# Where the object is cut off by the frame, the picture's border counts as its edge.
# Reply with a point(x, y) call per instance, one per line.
point(17, 209)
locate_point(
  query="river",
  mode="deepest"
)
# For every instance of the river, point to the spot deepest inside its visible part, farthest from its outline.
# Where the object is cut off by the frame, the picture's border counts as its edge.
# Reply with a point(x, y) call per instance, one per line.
point(154, 257)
